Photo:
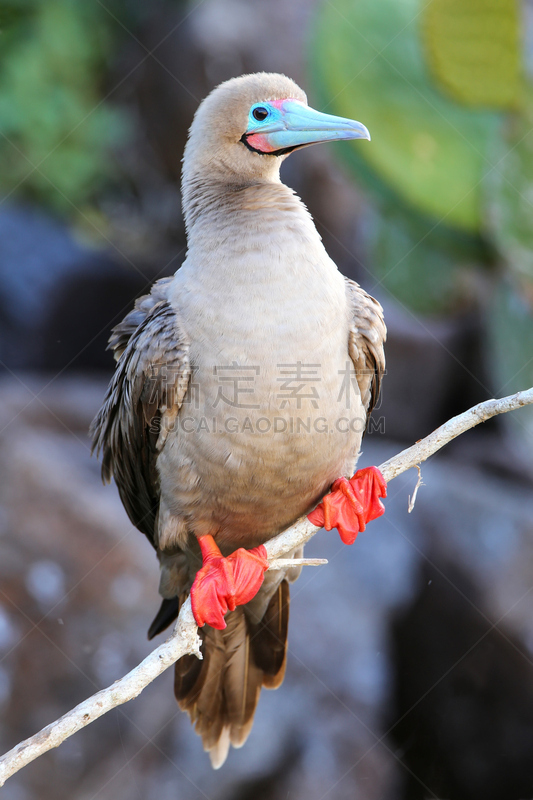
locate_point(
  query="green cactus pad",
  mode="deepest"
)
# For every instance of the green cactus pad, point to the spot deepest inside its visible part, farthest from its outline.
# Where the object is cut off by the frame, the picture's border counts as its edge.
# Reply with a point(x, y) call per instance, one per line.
point(473, 49)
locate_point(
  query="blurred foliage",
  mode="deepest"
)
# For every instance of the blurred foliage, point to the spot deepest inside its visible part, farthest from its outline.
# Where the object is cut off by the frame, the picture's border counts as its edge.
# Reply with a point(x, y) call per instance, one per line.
point(59, 121)
point(473, 49)
point(56, 129)
point(12, 12)
point(420, 264)
point(509, 191)
point(440, 87)
point(510, 318)
point(510, 341)
point(427, 148)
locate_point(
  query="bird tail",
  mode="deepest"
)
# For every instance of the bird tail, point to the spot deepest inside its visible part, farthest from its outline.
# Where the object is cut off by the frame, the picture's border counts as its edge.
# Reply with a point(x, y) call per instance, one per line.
point(220, 693)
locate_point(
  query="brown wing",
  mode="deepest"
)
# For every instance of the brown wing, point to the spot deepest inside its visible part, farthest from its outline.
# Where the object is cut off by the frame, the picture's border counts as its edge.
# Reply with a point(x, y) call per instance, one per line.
point(122, 333)
point(365, 345)
point(151, 377)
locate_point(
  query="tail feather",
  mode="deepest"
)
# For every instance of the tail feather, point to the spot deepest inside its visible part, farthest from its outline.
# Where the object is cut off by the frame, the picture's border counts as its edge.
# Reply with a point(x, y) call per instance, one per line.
point(269, 638)
point(204, 699)
point(242, 679)
point(221, 692)
point(219, 752)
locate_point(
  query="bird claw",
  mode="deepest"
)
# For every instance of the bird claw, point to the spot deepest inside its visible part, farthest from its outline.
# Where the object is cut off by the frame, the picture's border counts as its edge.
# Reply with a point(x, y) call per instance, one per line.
point(224, 583)
point(351, 504)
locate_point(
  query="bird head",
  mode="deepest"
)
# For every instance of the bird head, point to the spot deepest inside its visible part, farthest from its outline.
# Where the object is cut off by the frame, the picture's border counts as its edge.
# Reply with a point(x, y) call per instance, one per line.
point(248, 125)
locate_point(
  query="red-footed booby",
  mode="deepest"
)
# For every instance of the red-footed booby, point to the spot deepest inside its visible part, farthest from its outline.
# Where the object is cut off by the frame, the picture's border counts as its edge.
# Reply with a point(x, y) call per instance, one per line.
point(241, 392)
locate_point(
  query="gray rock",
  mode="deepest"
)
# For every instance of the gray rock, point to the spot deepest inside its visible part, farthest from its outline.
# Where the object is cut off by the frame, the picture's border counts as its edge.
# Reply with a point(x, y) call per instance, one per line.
point(58, 298)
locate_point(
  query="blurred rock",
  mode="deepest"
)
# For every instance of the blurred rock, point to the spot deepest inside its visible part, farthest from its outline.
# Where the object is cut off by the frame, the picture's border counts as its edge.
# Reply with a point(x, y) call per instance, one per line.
point(63, 540)
point(58, 297)
point(464, 695)
point(462, 711)
point(79, 588)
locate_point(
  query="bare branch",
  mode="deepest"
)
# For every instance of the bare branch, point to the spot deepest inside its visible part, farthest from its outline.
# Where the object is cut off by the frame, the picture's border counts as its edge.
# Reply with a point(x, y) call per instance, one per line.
point(287, 563)
point(425, 448)
point(184, 638)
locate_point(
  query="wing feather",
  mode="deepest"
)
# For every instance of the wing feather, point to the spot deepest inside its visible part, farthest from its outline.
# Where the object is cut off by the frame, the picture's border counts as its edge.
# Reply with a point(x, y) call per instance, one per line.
point(151, 378)
point(365, 345)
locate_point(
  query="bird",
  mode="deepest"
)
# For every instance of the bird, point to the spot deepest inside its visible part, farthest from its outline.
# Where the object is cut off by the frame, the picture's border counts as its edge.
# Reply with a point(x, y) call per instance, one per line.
point(240, 395)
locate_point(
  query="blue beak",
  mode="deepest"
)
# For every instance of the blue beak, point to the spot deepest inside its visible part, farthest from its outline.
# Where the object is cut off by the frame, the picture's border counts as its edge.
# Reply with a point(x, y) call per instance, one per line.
point(284, 125)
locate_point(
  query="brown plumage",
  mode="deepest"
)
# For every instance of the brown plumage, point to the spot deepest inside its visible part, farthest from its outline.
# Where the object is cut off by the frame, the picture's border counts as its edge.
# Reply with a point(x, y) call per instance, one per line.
point(221, 693)
point(258, 290)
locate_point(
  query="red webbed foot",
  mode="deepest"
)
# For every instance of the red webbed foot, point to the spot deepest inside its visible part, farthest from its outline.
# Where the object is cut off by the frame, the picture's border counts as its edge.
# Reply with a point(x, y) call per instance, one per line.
point(224, 583)
point(351, 504)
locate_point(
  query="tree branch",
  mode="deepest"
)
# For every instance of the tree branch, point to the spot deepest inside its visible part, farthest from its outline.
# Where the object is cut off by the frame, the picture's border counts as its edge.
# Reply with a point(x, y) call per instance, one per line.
point(184, 638)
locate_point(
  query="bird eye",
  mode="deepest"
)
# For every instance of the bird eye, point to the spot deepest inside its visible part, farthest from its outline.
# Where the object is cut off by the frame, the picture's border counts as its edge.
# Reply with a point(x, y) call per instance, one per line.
point(260, 113)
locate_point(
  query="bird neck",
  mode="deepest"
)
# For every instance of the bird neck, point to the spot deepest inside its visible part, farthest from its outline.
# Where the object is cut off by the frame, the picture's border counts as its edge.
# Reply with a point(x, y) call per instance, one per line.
point(234, 217)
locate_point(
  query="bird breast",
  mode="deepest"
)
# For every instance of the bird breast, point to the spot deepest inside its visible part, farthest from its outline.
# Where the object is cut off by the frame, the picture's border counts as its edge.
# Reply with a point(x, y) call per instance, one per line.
point(272, 414)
